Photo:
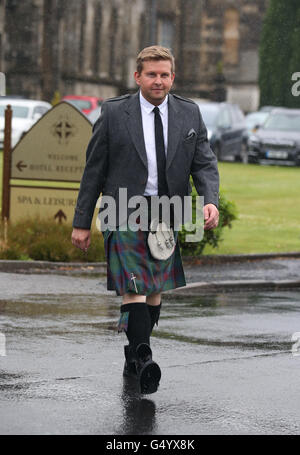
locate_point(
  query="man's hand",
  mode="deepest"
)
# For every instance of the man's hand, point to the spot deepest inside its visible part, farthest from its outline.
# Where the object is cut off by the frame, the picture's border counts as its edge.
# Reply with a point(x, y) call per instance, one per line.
point(81, 238)
point(211, 216)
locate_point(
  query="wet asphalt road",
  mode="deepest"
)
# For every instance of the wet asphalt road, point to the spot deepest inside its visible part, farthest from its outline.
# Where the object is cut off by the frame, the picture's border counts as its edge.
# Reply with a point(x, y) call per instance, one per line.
point(268, 269)
point(226, 360)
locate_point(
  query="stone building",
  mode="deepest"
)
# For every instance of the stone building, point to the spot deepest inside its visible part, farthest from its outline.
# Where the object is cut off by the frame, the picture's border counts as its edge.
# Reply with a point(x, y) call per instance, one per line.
point(90, 46)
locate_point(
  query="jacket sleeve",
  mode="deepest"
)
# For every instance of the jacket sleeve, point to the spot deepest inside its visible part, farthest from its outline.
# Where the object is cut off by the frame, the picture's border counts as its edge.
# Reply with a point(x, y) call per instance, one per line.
point(94, 175)
point(204, 169)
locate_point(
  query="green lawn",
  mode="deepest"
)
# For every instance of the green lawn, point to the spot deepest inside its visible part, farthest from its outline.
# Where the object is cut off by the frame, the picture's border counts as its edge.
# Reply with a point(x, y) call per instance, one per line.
point(1, 177)
point(268, 203)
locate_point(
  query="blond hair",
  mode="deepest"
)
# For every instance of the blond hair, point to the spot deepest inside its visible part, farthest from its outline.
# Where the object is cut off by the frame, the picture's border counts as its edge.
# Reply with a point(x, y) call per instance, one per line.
point(154, 53)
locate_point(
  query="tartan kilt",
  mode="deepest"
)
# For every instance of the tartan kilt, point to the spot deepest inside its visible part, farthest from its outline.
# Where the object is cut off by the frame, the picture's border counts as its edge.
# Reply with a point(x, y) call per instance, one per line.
point(127, 253)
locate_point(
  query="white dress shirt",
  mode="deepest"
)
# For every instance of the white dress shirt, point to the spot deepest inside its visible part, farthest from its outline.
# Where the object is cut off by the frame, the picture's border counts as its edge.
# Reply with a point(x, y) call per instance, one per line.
point(149, 138)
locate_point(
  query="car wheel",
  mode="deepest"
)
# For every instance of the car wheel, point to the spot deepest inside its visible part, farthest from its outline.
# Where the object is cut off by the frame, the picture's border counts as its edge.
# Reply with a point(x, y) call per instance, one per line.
point(244, 153)
point(242, 157)
point(252, 160)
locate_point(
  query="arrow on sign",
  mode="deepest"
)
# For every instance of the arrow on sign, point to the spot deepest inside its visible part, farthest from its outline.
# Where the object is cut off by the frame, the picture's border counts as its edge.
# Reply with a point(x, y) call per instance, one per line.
point(20, 166)
point(60, 215)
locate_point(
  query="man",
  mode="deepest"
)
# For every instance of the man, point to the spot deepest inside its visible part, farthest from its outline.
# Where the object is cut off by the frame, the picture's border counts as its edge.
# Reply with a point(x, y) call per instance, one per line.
point(149, 143)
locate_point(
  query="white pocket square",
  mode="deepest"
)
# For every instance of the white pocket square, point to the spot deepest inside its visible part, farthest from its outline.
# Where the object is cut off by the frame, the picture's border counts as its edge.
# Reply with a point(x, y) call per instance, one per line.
point(191, 133)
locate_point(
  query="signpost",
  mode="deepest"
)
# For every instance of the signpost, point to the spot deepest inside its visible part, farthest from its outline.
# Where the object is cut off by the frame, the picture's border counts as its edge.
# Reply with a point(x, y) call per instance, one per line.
point(53, 150)
point(52, 203)
point(6, 163)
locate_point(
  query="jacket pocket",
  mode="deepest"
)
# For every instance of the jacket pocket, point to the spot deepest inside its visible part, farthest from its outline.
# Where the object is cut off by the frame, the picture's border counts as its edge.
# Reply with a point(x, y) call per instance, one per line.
point(190, 139)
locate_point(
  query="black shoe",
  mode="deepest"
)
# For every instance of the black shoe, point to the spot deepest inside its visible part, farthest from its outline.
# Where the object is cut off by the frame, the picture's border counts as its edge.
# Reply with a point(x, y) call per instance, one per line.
point(130, 363)
point(148, 371)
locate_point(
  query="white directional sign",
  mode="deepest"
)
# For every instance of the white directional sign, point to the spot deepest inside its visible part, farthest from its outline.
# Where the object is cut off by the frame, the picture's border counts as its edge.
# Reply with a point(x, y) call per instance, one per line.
point(54, 204)
point(54, 148)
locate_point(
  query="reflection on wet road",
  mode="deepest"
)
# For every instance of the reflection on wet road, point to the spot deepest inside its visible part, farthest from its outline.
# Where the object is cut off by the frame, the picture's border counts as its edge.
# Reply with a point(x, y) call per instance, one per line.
point(226, 360)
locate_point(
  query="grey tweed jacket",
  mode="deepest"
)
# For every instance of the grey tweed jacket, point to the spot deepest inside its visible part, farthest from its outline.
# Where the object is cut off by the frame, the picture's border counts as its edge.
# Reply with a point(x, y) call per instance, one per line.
point(116, 155)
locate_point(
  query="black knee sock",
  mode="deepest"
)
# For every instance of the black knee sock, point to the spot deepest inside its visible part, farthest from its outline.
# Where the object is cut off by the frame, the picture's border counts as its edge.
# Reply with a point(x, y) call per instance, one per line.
point(136, 322)
point(154, 311)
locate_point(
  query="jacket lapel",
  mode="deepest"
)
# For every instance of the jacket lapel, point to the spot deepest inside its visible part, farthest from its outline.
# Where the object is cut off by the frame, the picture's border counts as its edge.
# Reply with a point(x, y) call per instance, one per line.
point(175, 122)
point(135, 126)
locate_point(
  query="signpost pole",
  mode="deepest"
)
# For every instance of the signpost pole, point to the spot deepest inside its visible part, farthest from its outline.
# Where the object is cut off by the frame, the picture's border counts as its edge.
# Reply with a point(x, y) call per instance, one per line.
point(6, 164)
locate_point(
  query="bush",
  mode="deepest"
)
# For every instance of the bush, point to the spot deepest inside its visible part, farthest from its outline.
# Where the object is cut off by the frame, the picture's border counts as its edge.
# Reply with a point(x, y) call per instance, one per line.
point(45, 240)
point(228, 213)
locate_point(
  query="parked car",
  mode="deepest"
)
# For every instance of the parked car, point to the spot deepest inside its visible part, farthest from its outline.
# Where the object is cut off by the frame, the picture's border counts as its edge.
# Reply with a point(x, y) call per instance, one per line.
point(24, 115)
point(94, 115)
point(277, 141)
point(84, 103)
point(226, 125)
point(254, 120)
point(19, 97)
point(267, 108)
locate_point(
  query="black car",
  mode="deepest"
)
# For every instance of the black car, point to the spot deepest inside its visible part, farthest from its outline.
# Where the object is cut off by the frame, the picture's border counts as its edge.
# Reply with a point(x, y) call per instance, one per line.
point(253, 121)
point(226, 125)
point(277, 141)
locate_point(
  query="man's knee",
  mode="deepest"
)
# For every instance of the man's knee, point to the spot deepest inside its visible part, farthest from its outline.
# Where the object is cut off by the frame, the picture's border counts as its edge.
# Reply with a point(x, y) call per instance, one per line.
point(154, 299)
point(132, 298)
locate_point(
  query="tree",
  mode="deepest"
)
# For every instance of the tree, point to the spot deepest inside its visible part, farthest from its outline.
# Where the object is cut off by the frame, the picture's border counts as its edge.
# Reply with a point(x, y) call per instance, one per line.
point(279, 53)
point(294, 101)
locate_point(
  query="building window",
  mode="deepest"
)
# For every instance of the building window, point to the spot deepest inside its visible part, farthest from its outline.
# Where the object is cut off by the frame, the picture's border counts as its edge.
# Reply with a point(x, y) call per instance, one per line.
point(231, 36)
point(97, 38)
point(142, 31)
point(82, 34)
point(165, 32)
point(113, 32)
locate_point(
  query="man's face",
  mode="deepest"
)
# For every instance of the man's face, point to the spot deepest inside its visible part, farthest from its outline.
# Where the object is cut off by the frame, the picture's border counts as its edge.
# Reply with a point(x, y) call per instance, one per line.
point(155, 80)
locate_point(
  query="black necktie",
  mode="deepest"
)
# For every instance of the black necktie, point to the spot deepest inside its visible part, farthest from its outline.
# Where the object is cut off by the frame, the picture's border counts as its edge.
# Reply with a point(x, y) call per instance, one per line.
point(160, 154)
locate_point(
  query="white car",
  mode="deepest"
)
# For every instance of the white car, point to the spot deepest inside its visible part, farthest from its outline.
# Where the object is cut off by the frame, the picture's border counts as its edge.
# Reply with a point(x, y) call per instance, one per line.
point(25, 114)
point(94, 115)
